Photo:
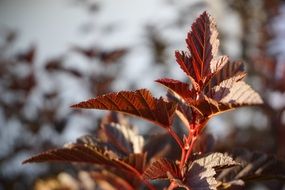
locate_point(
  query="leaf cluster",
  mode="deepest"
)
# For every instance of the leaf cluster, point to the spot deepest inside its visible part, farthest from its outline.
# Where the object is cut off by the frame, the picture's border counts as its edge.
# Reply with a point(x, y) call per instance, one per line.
point(118, 156)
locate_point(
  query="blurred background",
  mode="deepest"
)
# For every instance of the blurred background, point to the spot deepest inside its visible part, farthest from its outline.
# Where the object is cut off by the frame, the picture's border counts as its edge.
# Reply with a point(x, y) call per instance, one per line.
point(56, 53)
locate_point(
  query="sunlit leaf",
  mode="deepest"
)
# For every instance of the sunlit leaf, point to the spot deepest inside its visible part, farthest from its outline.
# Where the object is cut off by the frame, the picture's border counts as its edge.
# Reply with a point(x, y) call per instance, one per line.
point(203, 45)
point(201, 172)
point(229, 70)
point(199, 177)
point(139, 103)
point(228, 95)
point(217, 161)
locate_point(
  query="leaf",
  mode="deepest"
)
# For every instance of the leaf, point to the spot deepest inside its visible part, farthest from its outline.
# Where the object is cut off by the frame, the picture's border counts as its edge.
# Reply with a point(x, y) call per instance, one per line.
point(186, 111)
point(253, 166)
point(239, 93)
point(203, 45)
point(139, 103)
point(137, 161)
point(123, 138)
point(201, 172)
point(230, 69)
point(159, 169)
point(228, 95)
point(161, 145)
point(130, 166)
point(75, 153)
point(107, 180)
point(200, 178)
point(176, 86)
point(184, 60)
point(89, 140)
point(216, 161)
point(28, 56)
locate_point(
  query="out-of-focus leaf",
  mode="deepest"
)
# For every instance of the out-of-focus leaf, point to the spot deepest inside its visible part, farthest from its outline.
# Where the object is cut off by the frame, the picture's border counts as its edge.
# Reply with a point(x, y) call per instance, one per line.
point(253, 166)
point(137, 161)
point(56, 65)
point(108, 180)
point(27, 56)
point(112, 56)
point(106, 56)
point(161, 146)
point(204, 144)
point(159, 169)
point(139, 103)
point(123, 138)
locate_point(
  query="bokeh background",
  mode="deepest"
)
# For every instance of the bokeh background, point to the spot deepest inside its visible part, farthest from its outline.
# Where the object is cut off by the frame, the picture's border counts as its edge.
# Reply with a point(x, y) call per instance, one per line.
point(56, 53)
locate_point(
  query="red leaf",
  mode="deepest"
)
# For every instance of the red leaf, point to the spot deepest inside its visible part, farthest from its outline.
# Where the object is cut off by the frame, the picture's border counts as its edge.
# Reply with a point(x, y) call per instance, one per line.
point(226, 96)
point(139, 103)
point(92, 155)
point(178, 87)
point(122, 138)
point(74, 153)
point(203, 45)
point(105, 179)
point(137, 161)
point(184, 60)
point(159, 169)
point(230, 69)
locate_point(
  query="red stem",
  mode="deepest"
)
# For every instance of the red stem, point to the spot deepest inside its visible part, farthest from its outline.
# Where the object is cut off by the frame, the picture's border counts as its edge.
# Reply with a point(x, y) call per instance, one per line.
point(190, 148)
point(187, 149)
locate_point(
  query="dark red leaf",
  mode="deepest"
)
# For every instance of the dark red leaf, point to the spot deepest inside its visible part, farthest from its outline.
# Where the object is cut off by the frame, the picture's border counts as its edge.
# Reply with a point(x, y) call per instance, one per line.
point(159, 169)
point(139, 103)
point(184, 60)
point(176, 86)
point(27, 56)
point(230, 69)
point(75, 153)
point(123, 138)
point(92, 155)
point(203, 45)
point(199, 177)
point(253, 166)
point(137, 161)
point(228, 95)
point(105, 179)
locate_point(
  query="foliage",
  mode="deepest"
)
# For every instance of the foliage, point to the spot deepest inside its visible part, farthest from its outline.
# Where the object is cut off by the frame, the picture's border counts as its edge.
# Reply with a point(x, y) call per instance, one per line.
point(117, 156)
